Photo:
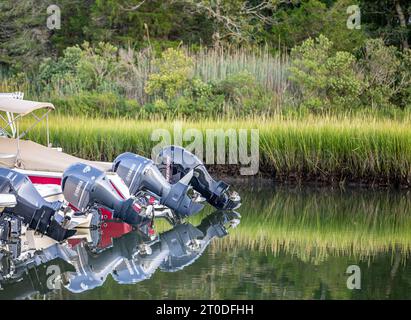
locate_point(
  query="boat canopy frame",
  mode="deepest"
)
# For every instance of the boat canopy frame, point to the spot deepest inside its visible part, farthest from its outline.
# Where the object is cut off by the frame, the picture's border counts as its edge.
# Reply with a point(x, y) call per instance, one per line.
point(11, 121)
point(15, 109)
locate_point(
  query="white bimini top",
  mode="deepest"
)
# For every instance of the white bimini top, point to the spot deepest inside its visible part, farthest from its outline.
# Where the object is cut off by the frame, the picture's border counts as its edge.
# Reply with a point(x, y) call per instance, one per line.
point(22, 107)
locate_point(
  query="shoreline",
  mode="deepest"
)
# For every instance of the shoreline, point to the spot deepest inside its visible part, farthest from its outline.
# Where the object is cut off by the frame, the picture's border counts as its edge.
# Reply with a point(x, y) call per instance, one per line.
point(230, 173)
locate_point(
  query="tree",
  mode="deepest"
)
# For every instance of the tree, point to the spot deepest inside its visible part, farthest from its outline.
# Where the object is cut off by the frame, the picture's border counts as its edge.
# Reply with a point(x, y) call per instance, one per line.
point(75, 17)
point(175, 69)
point(389, 20)
point(387, 72)
point(234, 20)
point(324, 79)
point(137, 22)
point(403, 24)
point(24, 37)
point(297, 21)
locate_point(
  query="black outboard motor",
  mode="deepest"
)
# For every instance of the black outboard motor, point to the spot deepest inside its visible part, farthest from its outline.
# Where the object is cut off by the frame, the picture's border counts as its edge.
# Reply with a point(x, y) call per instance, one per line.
point(175, 162)
point(140, 173)
point(10, 228)
point(85, 186)
point(34, 211)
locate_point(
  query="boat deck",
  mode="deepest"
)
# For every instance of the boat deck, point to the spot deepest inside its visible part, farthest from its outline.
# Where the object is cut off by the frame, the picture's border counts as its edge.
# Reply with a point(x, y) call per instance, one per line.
point(36, 157)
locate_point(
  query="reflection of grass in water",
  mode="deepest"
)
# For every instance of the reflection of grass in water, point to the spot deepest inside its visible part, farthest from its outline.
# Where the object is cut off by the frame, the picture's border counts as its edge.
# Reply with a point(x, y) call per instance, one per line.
point(313, 224)
point(318, 223)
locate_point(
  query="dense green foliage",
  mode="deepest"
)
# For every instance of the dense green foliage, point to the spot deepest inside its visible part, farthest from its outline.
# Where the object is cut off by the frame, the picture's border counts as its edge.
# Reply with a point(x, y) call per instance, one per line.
point(202, 58)
point(324, 78)
point(312, 18)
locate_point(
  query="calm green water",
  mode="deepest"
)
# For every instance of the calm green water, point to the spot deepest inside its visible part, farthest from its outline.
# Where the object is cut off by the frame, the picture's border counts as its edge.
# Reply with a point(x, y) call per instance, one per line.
point(290, 244)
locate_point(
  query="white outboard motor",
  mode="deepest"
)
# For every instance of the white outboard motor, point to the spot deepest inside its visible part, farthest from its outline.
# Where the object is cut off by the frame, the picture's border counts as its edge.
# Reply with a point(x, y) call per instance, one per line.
point(140, 173)
point(85, 187)
point(37, 213)
point(176, 162)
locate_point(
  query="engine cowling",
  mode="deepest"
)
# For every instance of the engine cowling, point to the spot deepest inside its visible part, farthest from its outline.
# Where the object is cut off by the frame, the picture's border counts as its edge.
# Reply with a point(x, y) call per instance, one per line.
point(140, 173)
point(85, 186)
point(31, 207)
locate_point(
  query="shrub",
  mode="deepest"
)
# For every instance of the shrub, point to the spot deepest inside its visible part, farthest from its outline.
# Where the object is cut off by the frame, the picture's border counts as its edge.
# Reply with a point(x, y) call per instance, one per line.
point(53, 72)
point(98, 66)
point(323, 78)
point(244, 94)
point(82, 68)
point(173, 76)
point(387, 73)
point(95, 104)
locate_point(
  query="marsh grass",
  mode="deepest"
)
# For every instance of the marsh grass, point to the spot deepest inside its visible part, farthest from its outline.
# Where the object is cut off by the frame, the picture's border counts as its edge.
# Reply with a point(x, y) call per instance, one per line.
point(309, 225)
point(331, 147)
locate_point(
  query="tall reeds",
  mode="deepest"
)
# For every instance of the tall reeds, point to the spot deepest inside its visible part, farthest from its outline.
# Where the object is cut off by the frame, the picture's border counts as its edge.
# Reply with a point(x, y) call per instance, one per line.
point(269, 70)
point(210, 65)
point(370, 149)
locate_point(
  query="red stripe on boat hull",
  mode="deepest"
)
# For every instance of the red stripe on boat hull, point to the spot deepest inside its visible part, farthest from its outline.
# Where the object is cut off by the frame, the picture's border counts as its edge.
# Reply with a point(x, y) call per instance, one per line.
point(45, 180)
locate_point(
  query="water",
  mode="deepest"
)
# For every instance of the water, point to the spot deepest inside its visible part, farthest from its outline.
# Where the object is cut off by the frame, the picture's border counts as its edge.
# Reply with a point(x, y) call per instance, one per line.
point(290, 244)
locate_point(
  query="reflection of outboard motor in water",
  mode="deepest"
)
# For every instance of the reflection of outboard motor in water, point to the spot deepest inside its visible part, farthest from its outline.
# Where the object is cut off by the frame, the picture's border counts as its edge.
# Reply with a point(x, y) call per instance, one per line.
point(23, 279)
point(37, 213)
point(134, 257)
point(93, 268)
point(140, 173)
point(186, 243)
point(85, 186)
point(175, 162)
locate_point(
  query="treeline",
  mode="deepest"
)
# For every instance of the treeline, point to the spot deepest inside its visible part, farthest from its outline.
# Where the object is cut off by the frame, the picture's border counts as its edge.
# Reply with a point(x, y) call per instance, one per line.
point(25, 38)
point(208, 57)
point(107, 81)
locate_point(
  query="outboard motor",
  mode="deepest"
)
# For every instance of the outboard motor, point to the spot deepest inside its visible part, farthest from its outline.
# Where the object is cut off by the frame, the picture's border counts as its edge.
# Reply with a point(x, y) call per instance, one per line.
point(10, 228)
point(10, 233)
point(37, 213)
point(140, 173)
point(85, 186)
point(175, 162)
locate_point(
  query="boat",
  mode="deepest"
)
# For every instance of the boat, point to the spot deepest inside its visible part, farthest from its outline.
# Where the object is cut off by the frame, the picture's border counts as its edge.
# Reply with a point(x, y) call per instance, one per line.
point(44, 165)
point(55, 193)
